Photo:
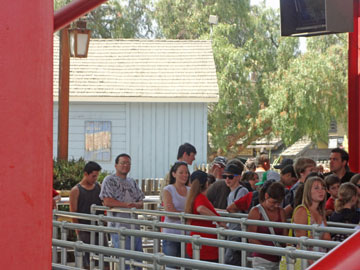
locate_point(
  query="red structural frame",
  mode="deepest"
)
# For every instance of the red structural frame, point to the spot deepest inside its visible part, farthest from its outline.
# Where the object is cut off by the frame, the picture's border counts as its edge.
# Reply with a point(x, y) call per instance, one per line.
point(353, 93)
point(26, 116)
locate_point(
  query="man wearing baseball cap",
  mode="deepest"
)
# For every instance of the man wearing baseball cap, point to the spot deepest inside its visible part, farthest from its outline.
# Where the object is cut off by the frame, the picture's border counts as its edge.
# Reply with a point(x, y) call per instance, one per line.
point(285, 162)
point(218, 166)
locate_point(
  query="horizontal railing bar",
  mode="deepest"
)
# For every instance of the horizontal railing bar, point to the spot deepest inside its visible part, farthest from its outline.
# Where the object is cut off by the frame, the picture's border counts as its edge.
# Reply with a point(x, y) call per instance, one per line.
point(314, 227)
point(56, 266)
point(190, 239)
point(159, 258)
point(249, 235)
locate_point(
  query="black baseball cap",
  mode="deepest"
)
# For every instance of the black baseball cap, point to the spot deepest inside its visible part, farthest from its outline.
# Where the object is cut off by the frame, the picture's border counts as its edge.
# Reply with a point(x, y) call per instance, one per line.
point(285, 162)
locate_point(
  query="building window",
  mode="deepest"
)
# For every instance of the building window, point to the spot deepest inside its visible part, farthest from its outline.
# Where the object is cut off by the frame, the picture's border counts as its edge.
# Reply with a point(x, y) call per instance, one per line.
point(98, 140)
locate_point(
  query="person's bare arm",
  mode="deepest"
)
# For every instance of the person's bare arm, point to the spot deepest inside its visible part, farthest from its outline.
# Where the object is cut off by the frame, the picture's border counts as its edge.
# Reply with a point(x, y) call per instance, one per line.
point(283, 219)
point(301, 217)
point(110, 202)
point(288, 211)
point(232, 208)
point(254, 214)
point(74, 196)
point(203, 210)
point(168, 202)
point(328, 212)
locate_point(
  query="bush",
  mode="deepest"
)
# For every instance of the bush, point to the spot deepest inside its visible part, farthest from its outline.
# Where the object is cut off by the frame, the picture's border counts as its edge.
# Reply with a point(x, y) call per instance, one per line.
point(68, 173)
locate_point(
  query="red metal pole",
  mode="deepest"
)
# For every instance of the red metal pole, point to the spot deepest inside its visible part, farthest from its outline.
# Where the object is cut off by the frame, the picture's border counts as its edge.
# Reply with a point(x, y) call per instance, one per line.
point(353, 93)
point(72, 11)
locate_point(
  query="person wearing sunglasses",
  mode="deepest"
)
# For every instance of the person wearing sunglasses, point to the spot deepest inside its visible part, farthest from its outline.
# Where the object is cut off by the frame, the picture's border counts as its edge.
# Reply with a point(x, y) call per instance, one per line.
point(232, 175)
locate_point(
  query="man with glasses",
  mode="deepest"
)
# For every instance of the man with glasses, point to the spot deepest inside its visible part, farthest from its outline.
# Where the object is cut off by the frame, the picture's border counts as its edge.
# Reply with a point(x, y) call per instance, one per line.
point(119, 190)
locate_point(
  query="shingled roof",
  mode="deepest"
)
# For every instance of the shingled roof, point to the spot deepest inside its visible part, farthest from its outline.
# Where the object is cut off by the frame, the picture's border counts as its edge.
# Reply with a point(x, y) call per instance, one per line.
point(142, 70)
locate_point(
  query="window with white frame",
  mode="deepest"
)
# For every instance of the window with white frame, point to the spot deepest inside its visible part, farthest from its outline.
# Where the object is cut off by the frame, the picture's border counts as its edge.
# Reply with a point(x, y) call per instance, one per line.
point(98, 140)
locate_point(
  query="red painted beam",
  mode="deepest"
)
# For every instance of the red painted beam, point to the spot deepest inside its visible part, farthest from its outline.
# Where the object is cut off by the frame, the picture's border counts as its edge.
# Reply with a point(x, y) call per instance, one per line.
point(344, 256)
point(26, 117)
point(72, 11)
point(353, 93)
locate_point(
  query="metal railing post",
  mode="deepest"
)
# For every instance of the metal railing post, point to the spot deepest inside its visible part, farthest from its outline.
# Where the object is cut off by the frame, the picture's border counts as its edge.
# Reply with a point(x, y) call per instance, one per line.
point(316, 235)
point(54, 248)
point(133, 215)
point(101, 243)
point(156, 242)
point(156, 262)
point(92, 239)
point(196, 247)
point(243, 240)
point(182, 244)
point(304, 262)
point(63, 249)
point(221, 249)
point(78, 255)
point(122, 244)
point(290, 262)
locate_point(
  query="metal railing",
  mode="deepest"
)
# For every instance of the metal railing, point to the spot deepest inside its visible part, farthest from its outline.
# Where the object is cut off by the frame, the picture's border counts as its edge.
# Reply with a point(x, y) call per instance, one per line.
point(196, 241)
point(302, 242)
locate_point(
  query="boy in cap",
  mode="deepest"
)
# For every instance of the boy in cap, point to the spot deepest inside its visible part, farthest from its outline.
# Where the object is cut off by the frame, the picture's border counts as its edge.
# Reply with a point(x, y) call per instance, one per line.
point(232, 175)
point(219, 191)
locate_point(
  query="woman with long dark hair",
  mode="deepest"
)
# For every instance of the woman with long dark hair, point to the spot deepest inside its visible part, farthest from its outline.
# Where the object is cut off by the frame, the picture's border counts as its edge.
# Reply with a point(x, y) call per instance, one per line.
point(197, 203)
point(174, 199)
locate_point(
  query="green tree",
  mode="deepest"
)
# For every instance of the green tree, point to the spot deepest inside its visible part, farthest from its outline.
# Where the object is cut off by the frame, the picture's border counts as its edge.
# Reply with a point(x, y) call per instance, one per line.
point(247, 50)
point(243, 72)
point(119, 19)
point(267, 87)
point(304, 98)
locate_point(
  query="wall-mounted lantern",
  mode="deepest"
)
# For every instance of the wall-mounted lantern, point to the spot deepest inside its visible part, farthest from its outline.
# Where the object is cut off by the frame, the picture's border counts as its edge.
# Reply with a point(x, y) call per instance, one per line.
point(79, 38)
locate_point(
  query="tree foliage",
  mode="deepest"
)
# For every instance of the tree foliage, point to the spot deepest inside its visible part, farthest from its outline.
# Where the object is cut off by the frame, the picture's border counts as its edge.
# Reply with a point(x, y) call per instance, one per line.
point(267, 87)
point(304, 98)
point(119, 19)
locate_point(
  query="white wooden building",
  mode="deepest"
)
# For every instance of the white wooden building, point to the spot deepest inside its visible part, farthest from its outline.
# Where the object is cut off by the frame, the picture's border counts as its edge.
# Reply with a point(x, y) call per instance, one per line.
point(142, 97)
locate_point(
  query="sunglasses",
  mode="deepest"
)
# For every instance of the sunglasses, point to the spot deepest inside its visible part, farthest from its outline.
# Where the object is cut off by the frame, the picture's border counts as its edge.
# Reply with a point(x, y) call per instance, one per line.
point(224, 176)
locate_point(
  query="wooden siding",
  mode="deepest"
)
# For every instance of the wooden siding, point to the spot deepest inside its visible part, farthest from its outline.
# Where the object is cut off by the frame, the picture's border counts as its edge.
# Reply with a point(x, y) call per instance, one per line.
point(150, 132)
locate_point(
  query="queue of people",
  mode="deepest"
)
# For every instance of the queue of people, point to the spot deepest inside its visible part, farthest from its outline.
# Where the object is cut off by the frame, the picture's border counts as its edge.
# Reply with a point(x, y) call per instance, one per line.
point(298, 192)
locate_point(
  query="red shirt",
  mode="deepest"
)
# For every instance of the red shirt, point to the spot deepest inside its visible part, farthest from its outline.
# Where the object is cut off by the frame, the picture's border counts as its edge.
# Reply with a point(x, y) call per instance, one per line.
point(244, 202)
point(330, 204)
point(206, 252)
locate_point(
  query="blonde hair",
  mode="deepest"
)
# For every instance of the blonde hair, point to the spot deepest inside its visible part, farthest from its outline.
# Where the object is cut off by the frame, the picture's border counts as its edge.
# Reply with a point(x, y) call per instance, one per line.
point(346, 192)
point(307, 200)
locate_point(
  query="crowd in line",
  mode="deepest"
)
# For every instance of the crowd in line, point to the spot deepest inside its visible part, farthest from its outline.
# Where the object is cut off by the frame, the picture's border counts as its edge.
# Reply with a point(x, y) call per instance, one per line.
point(299, 191)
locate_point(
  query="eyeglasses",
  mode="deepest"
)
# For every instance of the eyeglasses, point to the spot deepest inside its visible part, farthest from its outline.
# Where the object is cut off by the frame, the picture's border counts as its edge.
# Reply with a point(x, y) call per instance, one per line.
point(231, 177)
point(125, 163)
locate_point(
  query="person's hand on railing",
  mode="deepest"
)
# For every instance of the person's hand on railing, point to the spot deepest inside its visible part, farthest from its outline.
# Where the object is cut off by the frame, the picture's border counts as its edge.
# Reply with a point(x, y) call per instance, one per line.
point(222, 224)
point(137, 205)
